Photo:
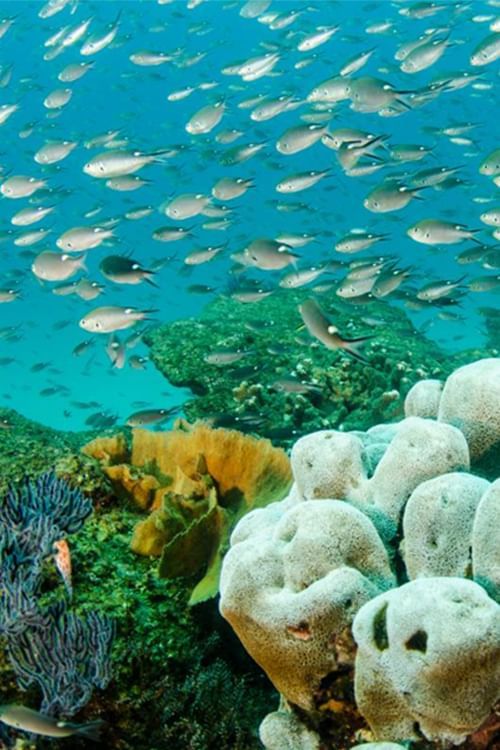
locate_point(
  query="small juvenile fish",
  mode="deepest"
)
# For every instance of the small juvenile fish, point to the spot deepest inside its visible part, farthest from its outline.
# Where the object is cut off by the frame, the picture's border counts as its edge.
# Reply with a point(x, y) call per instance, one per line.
point(57, 99)
point(30, 215)
point(311, 41)
point(301, 278)
point(138, 363)
point(151, 416)
point(8, 295)
point(171, 234)
point(82, 347)
point(320, 327)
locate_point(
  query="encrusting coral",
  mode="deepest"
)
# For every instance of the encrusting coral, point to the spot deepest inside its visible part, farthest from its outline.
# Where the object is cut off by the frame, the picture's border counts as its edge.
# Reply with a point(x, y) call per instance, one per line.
point(381, 567)
point(197, 482)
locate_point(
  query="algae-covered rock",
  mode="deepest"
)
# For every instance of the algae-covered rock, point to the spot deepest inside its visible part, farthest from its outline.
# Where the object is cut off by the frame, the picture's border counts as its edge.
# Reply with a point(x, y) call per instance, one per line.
point(255, 393)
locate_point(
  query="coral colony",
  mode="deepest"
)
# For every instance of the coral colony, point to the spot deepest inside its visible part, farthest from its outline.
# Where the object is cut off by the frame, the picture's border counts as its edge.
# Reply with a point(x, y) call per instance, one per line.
point(382, 563)
point(64, 654)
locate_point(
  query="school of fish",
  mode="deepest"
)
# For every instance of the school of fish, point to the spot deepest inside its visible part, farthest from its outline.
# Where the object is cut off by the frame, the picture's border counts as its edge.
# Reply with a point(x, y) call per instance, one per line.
point(342, 147)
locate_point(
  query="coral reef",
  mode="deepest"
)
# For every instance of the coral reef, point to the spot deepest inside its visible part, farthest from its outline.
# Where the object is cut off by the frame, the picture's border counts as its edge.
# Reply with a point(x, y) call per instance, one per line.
point(284, 385)
point(198, 482)
point(372, 590)
point(174, 668)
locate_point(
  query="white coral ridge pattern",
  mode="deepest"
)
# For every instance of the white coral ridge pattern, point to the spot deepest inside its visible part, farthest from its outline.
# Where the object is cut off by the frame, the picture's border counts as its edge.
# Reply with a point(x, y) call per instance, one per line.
point(384, 558)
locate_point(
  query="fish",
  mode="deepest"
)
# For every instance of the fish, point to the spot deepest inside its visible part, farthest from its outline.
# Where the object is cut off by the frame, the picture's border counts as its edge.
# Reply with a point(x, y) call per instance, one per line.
point(27, 720)
point(437, 231)
point(51, 266)
point(116, 163)
point(80, 239)
point(113, 318)
point(321, 329)
point(124, 270)
point(224, 358)
point(299, 138)
point(268, 255)
point(301, 181)
point(148, 417)
point(62, 559)
point(228, 189)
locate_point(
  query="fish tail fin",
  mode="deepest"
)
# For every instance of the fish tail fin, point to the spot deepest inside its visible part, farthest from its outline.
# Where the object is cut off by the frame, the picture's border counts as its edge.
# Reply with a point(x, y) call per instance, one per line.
point(161, 155)
point(150, 281)
point(352, 347)
point(91, 730)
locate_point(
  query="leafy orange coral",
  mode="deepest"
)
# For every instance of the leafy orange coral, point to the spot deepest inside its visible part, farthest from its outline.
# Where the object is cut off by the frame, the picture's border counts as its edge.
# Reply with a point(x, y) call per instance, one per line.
point(198, 482)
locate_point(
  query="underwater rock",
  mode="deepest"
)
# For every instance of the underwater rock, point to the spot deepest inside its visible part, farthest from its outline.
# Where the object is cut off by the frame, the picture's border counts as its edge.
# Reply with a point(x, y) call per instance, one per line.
point(422, 400)
point(471, 402)
point(428, 660)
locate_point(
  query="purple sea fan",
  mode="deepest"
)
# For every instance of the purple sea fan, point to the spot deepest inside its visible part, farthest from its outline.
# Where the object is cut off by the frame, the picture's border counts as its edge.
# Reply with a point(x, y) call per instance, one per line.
point(48, 497)
point(67, 658)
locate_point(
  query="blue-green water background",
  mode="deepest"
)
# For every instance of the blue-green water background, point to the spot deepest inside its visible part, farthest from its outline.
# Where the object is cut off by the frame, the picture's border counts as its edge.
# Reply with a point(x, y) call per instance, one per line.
point(117, 94)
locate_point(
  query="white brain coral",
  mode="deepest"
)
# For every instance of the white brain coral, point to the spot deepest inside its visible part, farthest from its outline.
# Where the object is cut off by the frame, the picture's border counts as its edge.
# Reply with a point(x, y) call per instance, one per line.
point(428, 660)
point(291, 593)
point(471, 402)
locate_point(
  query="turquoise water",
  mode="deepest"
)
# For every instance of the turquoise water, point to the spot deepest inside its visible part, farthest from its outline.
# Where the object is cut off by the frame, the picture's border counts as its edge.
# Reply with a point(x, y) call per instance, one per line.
point(200, 41)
